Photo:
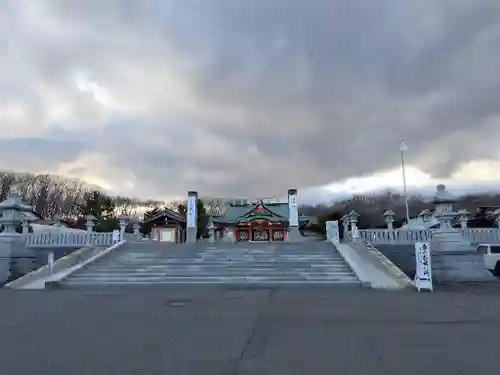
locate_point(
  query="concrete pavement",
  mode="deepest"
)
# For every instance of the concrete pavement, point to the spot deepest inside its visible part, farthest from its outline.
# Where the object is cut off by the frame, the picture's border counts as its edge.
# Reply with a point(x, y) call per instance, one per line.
point(230, 330)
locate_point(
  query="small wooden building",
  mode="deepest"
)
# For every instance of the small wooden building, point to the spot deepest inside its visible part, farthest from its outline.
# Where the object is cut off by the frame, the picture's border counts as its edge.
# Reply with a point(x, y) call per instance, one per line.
point(167, 226)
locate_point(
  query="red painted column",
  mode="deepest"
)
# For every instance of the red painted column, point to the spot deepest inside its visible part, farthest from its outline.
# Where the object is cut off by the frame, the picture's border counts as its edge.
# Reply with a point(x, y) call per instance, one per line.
point(270, 234)
point(249, 233)
point(235, 234)
point(284, 234)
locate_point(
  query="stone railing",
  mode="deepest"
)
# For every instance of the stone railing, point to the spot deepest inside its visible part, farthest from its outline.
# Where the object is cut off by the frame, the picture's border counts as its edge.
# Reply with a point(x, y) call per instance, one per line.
point(62, 267)
point(410, 236)
point(394, 236)
point(69, 239)
point(481, 235)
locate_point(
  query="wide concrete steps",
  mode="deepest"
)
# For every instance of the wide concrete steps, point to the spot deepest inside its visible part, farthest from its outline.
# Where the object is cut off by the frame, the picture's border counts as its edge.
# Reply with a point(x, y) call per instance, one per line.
point(141, 264)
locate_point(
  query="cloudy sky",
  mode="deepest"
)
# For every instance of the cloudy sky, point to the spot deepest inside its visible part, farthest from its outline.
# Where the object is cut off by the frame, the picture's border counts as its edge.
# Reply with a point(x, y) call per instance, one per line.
point(249, 98)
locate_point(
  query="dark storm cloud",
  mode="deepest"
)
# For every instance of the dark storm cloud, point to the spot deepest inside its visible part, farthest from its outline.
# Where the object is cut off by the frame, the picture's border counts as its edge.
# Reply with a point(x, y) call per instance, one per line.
point(251, 98)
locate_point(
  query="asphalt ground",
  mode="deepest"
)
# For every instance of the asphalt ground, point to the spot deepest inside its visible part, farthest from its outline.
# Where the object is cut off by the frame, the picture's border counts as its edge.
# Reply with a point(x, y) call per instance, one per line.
point(220, 330)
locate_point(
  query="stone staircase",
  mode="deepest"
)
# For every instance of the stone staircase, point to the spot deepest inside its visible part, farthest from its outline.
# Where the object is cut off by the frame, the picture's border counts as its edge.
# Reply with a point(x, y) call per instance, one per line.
point(155, 263)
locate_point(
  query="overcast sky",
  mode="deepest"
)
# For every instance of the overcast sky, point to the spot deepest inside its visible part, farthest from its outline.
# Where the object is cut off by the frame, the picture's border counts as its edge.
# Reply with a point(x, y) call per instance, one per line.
point(247, 98)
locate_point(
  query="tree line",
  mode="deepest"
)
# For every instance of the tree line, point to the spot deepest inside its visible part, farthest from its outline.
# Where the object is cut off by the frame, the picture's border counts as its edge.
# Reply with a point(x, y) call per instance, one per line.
point(372, 210)
point(72, 200)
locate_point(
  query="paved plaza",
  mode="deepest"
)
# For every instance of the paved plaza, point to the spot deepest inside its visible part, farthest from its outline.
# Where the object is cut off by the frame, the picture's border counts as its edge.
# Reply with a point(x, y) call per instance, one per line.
point(237, 330)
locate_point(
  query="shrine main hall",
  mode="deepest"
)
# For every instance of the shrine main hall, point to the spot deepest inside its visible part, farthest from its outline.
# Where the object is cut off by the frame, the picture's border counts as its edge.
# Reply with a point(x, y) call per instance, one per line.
point(261, 220)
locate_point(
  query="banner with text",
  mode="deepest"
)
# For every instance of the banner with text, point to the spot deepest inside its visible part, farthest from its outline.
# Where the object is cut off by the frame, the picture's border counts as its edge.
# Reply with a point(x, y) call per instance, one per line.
point(423, 271)
point(191, 212)
point(293, 210)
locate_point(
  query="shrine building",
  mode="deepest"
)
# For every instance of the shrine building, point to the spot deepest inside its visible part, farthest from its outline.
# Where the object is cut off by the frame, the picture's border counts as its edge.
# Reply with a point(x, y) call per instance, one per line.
point(263, 220)
point(256, 222)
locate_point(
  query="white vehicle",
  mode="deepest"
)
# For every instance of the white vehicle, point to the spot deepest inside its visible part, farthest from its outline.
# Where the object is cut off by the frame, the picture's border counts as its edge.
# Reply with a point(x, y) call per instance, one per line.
point(491, 257)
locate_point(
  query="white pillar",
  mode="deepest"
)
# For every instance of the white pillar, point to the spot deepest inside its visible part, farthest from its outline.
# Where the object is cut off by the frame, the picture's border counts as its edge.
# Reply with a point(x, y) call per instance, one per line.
point(293, 216)
point(191, 217)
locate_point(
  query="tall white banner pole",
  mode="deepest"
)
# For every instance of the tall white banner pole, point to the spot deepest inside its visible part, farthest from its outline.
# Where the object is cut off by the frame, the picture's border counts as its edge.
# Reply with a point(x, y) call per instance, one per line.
point(404, 148)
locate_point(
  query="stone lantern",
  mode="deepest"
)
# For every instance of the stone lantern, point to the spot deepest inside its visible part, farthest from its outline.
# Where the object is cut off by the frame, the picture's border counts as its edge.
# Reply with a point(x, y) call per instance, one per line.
point(444, 206)
point(446, 238)
point(58, 221)
point(136, 227)
point(90, 222)
point(463, 217)
point(353, 220)
point(122, 222)
point(425, 217)
point(12, 209)
point(389, 219)
point(12, 244)
point(211, 231)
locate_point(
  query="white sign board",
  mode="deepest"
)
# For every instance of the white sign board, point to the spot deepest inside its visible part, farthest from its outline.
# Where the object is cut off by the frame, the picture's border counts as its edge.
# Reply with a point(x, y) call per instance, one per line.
point(293, 210)
point(332, 231)
point(116, 236)
point(423, 271)
point(191, 212)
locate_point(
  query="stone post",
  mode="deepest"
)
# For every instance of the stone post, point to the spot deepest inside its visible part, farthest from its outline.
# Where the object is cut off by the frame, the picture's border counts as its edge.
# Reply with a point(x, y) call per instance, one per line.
point(58, 221)
point(463, 217)
point(345, 225)
point(122, 222)
point(15, 258)
point(26, 227)
point(293, 216)
point(90, 222)
point(389, 219)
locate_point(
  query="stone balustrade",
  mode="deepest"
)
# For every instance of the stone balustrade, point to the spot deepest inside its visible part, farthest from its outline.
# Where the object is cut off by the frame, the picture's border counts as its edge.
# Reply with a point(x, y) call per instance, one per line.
point(405, 236)
point(481, 235)
point(69, 239)
point(394, 236)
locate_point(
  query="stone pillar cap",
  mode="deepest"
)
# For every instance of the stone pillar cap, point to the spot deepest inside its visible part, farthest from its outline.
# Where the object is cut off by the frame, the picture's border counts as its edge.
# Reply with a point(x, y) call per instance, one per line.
point(389, 213)
point(90, 217)
point(464, 211)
